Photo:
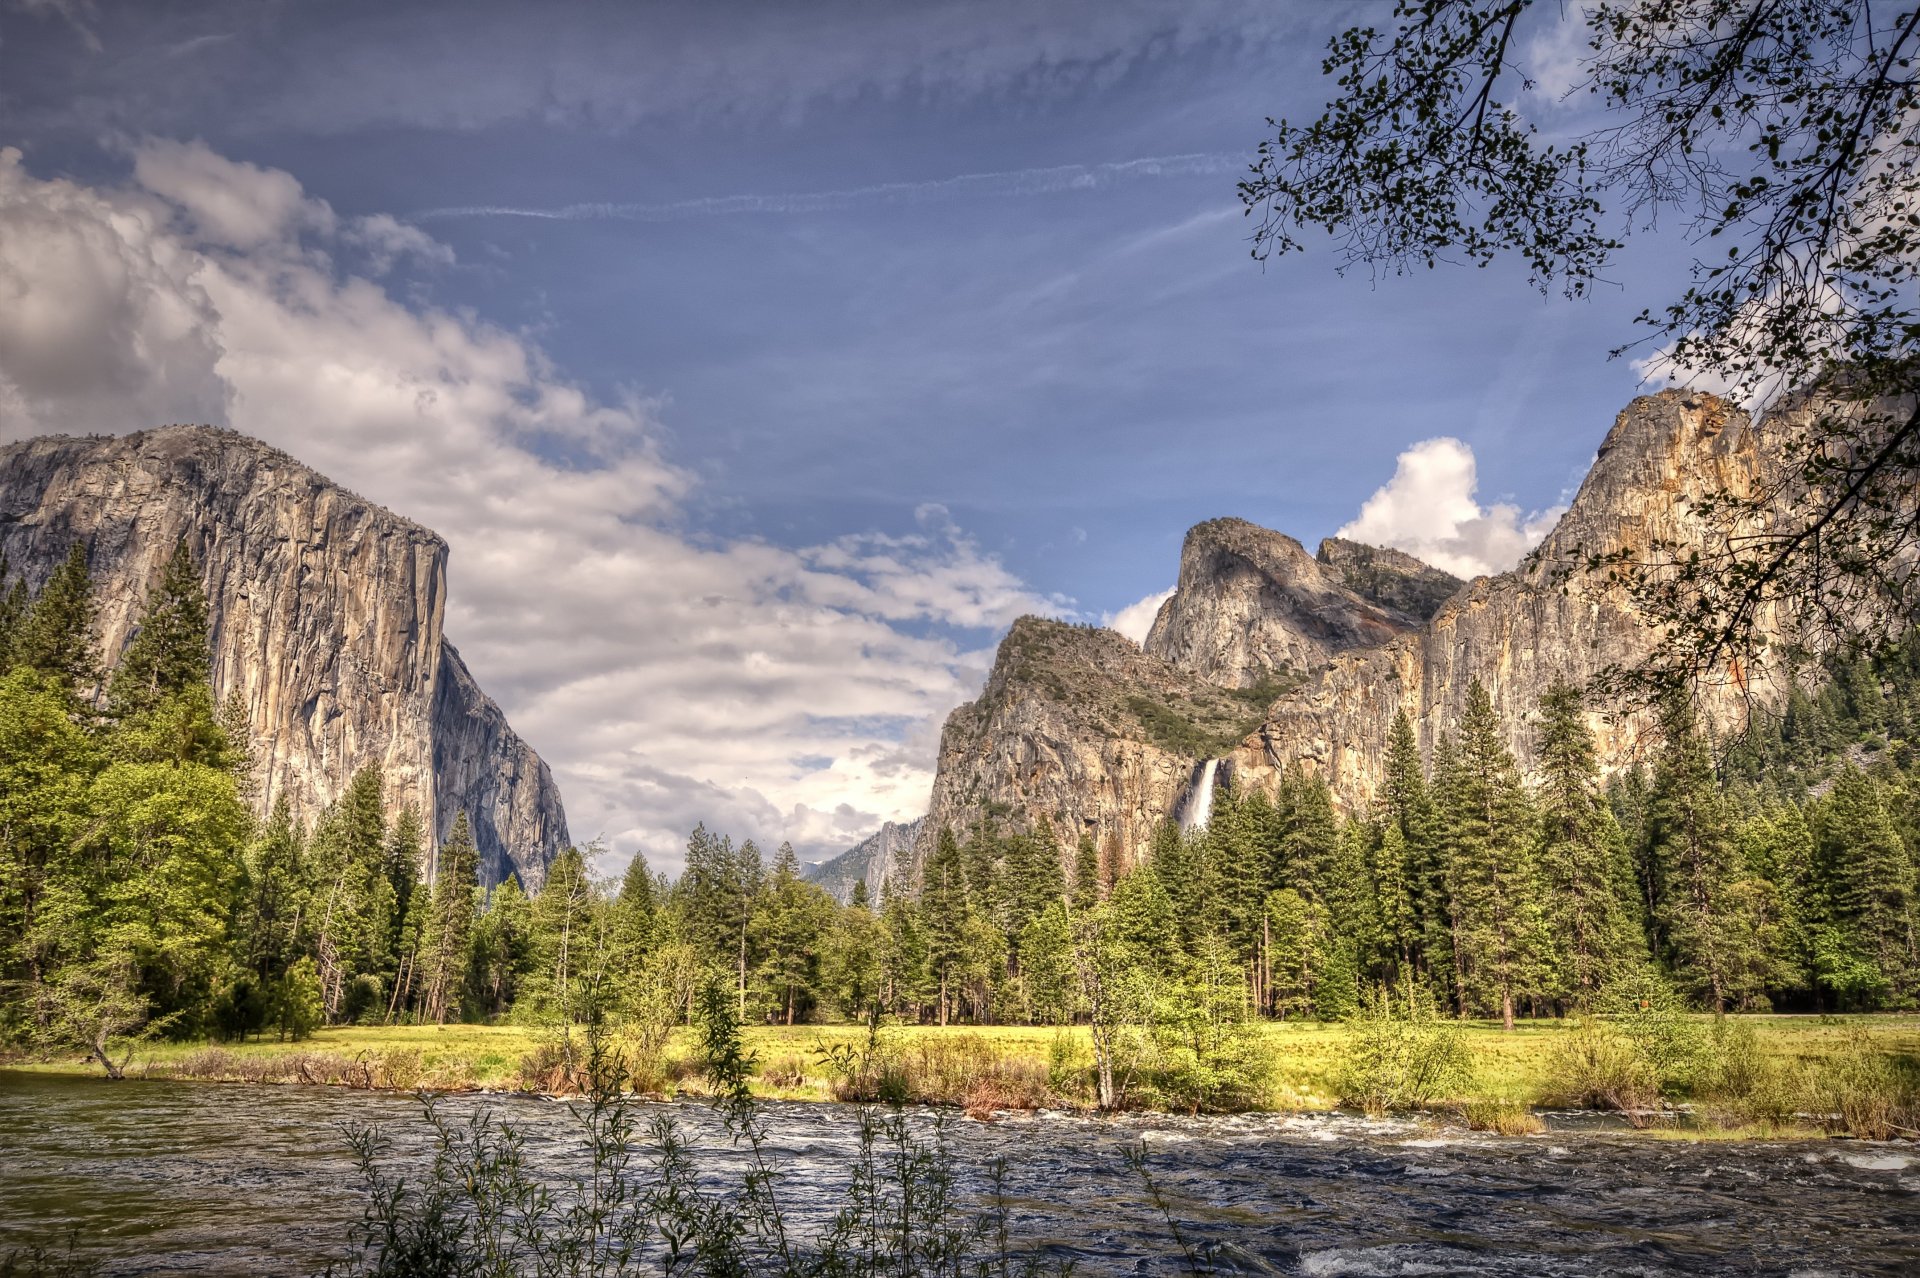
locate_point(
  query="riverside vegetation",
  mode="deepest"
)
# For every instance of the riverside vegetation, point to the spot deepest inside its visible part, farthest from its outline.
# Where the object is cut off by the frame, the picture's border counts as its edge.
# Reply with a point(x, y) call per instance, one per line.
point(142, 908)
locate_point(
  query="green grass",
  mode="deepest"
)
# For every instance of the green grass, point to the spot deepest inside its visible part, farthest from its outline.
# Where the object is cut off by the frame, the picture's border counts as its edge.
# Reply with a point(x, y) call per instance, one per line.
point(983, 1067)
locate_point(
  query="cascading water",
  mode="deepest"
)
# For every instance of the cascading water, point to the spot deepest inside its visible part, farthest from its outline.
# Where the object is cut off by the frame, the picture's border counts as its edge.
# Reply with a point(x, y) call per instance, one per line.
point(1199, 805)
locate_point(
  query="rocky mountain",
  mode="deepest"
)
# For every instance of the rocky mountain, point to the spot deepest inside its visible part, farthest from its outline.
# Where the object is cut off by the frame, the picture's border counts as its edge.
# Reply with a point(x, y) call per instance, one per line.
point(1253, 608)
point(1266, 658)
point(1391, 578)
point(326, 615)
point(1079, 724)
point(869, 861)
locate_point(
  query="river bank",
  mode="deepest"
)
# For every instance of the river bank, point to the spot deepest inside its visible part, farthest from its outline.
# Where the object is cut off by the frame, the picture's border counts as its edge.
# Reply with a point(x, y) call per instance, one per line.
point(997, 1069)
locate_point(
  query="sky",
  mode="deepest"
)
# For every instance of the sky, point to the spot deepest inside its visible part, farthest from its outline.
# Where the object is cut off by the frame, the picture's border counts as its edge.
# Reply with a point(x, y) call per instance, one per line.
point(760, 362)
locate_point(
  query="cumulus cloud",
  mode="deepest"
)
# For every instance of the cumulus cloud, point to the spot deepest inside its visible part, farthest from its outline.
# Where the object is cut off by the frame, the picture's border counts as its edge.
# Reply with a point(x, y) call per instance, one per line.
point(773, 692)
point(1136, 619)
point(1429, 510)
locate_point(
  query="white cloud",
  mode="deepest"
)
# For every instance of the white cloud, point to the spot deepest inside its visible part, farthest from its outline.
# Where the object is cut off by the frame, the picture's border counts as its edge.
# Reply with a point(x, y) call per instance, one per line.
point(1136, 619)
point(666, 680)
point(1429, 510)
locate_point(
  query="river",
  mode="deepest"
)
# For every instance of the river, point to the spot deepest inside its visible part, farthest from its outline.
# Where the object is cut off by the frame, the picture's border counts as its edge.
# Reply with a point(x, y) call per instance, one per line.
point(165, 1177)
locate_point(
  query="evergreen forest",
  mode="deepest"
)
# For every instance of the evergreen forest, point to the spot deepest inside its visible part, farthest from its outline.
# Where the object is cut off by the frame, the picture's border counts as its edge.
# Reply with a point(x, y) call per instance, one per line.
point(139, 895)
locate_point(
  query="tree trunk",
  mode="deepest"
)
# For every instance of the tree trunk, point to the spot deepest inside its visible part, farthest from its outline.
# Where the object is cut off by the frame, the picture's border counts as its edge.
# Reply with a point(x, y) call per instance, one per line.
point(100, 1054)
point(1506, 1009)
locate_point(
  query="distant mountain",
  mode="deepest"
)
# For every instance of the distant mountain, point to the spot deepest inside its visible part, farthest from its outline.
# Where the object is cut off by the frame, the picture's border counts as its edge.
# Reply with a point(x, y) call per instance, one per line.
point(868, 861)
point(325, 613)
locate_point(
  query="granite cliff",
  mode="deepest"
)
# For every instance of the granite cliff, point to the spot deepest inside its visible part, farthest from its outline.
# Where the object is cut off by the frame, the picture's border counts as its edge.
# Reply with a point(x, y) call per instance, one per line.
point(1266, 658)
point(325, 612)
point(870, 861)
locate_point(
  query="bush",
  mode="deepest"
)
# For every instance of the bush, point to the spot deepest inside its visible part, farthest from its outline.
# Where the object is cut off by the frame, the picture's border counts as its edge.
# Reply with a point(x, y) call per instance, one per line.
point(1401, 1058)
point(1503, 1116)
point(1737, 1083)
point(1599, 1066)
point(1862, 1091)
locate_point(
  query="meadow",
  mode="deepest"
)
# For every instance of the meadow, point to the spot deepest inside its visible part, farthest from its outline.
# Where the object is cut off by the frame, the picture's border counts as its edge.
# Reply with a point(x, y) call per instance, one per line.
point(1301, 1066)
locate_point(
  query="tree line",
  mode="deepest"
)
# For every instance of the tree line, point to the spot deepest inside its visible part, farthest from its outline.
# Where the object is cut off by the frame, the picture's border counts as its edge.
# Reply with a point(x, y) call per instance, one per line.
point(139, 894)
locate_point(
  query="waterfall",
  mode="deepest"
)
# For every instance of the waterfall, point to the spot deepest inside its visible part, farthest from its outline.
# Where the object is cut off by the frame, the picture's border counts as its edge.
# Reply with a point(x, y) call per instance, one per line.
point(1199, 805)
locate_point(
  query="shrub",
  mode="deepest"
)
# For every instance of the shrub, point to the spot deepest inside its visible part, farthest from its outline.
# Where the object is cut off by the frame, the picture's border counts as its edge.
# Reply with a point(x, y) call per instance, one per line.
point(1401, 1058)
point(1599, 1066)
point(1862, 1091)
point(1503, 1116)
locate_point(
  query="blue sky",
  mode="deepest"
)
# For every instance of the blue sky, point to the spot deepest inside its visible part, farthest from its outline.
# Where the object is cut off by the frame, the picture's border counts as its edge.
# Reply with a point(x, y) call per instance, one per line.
point(962, 290)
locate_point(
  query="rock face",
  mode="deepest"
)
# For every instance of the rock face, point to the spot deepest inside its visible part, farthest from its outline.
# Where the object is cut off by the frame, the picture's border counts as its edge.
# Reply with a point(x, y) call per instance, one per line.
point(325, 613)
point(1363, 632)
point(1079, 725)
point(1252, 607)
point(1546, 621)
point(870, 861)
point(1391, 578)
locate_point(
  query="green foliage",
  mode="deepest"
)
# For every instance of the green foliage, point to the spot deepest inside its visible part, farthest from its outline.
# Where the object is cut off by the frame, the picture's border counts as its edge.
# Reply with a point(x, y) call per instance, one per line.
point(1182, 729)
point(1402, 1055)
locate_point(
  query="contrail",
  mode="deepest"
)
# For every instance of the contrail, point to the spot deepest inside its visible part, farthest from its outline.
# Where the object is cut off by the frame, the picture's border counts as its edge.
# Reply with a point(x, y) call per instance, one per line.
point(1048, 181)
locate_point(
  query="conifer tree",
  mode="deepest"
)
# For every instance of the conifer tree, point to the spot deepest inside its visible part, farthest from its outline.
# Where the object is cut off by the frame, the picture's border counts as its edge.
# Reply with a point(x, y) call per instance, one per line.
point(56, 635)
point(13, 612)
point(1705, 910)
point(906, 971)
point(169, 653)
point(1393, 878)
point(1492, 878)
point(447, 938)
point(635, 921)
point(1408, 805)
point(791, 922)
point(1086, 874)
point(1585, 874)
point(1312, 838)
point(943, 907)
point(275, 927)
point(853, 967)
point(1803, 905)
point(1872, 879)
point(353, 901)
point(566, 942)
point(502, 952)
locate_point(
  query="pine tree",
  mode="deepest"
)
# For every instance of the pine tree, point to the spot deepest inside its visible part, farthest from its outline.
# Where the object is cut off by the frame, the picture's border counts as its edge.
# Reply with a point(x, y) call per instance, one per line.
point(1705, 908)
point(718, 894)
point(1408, 806)
point(56, 635)
point(404, 864)
point(566, 942)
point(502, 951)
point(789, 925)
point(635, 922)
point(1872, 877)
point(447, 938)
point(1492, 879)
point(353, 904)
point(907, 981)
point(169, 653)
point(274, 921)
point(853, 962)
point(943, 908)
point(1583, 859)
point(1086, 874)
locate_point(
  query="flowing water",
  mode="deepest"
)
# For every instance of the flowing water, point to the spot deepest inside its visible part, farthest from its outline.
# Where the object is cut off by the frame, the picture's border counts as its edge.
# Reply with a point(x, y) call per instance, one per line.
point(1198, 809)
point(236, 1179)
